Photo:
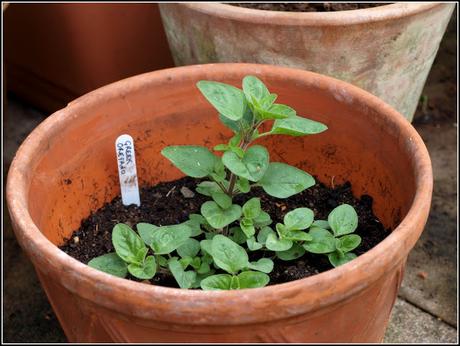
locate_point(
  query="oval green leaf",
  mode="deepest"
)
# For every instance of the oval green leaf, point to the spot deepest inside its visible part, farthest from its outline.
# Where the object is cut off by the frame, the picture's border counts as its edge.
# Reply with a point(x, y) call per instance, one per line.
point(252, 166)
point(251, 209)
point(184, 279)
point(282, 180)
point(228, 255)
point(218, 217)
point(297, 126)
point(323, 241)
point(296, 251)
point(343, 220)
point(275, 244)
point(264, 265)
point(168, 238)
point(146, 231)
point(337, 260)
point(128, 245)
point(298, 219)
point(216, 282)
point(195, 161)
point(144, 271)
point(110, 263)
point(250, 279)
point(348, 242)
point(190, 248)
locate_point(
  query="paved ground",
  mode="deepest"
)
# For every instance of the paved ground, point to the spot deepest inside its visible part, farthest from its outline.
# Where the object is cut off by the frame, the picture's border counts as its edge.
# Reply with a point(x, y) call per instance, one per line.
point(426, 311)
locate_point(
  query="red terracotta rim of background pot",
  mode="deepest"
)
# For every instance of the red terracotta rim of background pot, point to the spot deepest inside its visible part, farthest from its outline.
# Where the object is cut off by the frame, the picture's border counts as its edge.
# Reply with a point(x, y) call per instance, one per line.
point(360, 16)
point(196, 306)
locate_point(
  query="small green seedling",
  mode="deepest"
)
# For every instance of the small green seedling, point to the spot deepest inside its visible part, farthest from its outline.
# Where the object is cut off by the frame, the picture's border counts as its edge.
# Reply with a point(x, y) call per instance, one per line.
point(210, 250)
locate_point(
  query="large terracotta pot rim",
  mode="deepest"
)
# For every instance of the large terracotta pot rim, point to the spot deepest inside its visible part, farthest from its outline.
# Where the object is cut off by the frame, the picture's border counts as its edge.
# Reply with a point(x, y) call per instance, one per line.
point(196, 306)
point(366, 15)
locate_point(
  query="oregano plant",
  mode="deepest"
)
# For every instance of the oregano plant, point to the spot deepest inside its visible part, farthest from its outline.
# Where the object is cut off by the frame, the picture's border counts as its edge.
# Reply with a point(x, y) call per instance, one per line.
point(212, 250)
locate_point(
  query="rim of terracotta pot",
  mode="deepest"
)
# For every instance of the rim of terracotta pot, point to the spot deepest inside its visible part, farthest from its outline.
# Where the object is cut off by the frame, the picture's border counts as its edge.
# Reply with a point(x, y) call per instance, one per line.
point(196, 306)
point(359, 16)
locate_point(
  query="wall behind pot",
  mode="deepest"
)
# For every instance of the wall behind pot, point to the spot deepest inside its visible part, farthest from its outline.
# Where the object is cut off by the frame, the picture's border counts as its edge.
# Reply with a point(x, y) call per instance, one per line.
point(57, 52)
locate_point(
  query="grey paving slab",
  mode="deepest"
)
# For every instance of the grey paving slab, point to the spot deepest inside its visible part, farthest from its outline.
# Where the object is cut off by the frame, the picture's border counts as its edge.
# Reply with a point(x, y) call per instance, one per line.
point(408, 324)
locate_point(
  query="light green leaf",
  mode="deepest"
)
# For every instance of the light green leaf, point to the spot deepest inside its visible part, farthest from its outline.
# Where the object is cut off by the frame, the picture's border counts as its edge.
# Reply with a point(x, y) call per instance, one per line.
point(204, 268)
point(128, 245)
point(254, 88)
point(262, 220)
point(194, 225)
point(221, 147)
point(296, 251)
point(343, 219)
point(337, 260)
point(263, 234)
point(161, 261)
point(297, 126)
point(190, 248)
point(264, 265)
point(207, 188)
point(195, 161)
point(247, 227)
point(323, 241)
point(146, 231)
point(218, 217)
point(144, 271)
point(242, 185)
point(222, 199)
point(228, 100)
point(297, 236)
point(250, 279)
point(298, 219)
point(228, 255)
point(251, 209)
point(169, 238)
point(268, 101)
point(348, 242)
point(321, 224)
point(276, 111)
point(282, 180)
point(206, 246)
point(253, 245)
point(253, 164)
point(185, 279)
point(275, 244)
point(216, 282)
point(111, 264)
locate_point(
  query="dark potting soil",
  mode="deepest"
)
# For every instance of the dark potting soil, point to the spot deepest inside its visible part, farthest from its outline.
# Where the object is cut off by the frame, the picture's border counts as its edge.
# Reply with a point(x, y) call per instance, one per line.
point(165, 204)
point(308, 7)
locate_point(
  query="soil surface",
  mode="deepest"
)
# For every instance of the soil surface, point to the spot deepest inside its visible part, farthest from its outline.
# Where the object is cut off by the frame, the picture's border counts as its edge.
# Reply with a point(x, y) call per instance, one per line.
point(309, 7)
point(165, 204)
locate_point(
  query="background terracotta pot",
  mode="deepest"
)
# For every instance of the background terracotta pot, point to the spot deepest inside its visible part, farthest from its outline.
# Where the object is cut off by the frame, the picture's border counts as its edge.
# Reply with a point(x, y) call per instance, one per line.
point(57, 52)
point(67, 168)
point(385, 50)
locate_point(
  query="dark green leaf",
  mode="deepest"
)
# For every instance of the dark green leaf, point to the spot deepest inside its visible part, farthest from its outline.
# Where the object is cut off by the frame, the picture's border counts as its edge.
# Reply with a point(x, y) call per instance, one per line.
point(238, 236)
point(111, 264)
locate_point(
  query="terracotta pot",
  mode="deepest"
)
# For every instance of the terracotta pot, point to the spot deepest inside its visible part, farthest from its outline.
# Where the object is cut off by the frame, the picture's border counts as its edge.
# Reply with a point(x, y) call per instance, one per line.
point(66, 168)
point(386, 50)
point(57, 52)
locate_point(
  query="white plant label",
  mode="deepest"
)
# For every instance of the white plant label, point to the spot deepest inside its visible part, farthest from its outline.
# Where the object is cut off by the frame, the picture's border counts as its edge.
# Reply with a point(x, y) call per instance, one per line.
point(124, 147)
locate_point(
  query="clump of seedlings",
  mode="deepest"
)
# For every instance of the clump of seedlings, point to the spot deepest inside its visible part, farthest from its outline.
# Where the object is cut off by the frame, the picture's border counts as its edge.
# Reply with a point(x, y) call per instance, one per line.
point(210, 250)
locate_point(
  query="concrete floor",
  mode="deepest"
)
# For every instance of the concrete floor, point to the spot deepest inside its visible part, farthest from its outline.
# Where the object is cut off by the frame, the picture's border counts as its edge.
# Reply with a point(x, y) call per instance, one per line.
point(426, 310)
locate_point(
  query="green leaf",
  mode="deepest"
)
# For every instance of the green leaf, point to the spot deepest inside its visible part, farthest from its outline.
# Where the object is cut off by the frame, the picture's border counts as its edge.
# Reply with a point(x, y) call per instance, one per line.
point(128, 245)
point(276, 111)
point(228, 255)
point(297, 236)
point(343, 219)
point(162, 261)
point(337, 260)
point(242, 185)
point(250, 279)
point(169, 238)
point(190, 248)
point(262, 220)
point(204, 268)
point(282, 180)
point(235, 126)
point(194, 225)
point(235, 140)
point(298, 219)
point(218, 217)
point(206, 246)
point(321, 224)
point(185, 279)
point(238, 151)
point(268, 101)
point(195, 161)
point(222, 199)
point(348, 243)
point(196, 263)
point(216, 282)
point(254, 88)
point(251, 209)
point(238, 236)
point(253, 245)
point(207, 188)
point(296, 251)
point(275, 244)
point(228, 100)
point(323, 241)
point(111, 264)
point(235, 284)
point(146, 231)
point(253, 164)
point(144, 271)
point(297, 126)
point(263, 234)
point(221, 147)
point(264, 265)
point(247, 227)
